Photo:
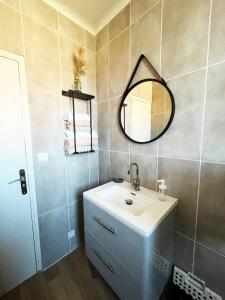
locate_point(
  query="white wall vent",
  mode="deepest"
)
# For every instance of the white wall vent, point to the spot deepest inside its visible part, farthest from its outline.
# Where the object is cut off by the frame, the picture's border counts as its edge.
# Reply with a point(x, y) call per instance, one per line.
point(193, 286)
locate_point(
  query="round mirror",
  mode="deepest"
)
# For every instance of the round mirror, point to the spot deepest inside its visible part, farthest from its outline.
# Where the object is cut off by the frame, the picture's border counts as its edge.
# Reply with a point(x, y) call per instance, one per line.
point(146, 111)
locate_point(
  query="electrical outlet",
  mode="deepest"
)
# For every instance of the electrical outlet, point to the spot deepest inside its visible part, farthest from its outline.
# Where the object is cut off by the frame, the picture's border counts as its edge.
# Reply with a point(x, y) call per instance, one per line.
point(71, 234)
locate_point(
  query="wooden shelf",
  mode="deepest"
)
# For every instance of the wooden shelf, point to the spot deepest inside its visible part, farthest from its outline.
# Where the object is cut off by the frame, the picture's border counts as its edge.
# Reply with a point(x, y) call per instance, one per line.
point(77, 95)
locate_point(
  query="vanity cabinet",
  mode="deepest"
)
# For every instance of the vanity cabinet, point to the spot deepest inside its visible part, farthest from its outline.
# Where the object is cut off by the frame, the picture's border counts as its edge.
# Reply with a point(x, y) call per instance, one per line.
point(137, 267)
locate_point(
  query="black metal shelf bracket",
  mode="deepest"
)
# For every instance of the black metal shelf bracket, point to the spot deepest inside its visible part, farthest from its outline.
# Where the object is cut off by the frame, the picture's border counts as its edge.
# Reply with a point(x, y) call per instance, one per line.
point(73, 94)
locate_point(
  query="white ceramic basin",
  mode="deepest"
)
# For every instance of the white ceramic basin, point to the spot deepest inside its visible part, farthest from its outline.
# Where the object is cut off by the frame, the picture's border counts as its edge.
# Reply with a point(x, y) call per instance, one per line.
point(120, 196)
point(144, 214)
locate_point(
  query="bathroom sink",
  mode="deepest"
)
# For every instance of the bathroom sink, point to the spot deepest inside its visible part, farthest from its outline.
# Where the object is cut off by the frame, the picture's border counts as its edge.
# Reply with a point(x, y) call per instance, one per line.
point(141, 210)
point(132, 202)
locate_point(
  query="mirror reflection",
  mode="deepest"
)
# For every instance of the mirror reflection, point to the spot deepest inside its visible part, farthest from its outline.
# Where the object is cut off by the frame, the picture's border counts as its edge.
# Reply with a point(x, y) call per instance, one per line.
point(146, 111)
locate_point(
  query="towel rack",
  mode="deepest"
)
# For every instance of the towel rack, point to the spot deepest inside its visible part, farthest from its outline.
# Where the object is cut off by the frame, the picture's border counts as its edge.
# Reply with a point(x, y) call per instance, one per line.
point(74, 94)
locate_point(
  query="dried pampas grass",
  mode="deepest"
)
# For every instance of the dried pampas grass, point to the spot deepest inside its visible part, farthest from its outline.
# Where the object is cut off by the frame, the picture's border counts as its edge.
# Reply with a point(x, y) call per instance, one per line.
point(79, 62)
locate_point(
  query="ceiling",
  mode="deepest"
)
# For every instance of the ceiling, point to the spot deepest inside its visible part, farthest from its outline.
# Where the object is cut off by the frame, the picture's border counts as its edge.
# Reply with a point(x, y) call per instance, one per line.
point(89, 14)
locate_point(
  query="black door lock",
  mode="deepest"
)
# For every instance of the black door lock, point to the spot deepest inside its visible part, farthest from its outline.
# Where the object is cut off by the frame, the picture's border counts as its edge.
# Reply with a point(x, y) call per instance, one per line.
point(23, 182)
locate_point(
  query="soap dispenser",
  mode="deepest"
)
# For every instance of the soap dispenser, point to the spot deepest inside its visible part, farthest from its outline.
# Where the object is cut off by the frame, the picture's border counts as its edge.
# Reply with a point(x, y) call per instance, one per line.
point(162, 189)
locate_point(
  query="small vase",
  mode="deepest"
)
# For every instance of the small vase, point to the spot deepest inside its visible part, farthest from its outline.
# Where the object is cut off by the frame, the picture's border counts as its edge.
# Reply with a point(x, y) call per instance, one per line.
point(77, 84)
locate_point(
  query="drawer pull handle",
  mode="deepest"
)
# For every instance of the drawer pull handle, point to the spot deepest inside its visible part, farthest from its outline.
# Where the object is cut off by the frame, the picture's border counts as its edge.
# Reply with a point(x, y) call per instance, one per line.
point(111, 229)
point(102, 258)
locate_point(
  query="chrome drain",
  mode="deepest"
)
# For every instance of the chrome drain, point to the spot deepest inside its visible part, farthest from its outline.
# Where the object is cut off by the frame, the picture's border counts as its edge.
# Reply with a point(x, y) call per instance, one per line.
point(129, 201)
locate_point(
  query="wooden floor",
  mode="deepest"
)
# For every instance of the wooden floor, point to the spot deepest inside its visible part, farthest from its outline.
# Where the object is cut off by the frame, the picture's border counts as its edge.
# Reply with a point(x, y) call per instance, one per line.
point(68, 279)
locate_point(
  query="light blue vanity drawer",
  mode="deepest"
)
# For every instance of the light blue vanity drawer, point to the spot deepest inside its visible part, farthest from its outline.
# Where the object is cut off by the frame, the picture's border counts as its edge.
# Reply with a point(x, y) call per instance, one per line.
point(121, 281)
point(125, 244)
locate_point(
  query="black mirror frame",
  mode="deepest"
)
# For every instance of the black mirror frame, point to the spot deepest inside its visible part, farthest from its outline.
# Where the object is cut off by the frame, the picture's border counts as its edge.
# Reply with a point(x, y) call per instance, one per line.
point(172, 109)
point(130, 87)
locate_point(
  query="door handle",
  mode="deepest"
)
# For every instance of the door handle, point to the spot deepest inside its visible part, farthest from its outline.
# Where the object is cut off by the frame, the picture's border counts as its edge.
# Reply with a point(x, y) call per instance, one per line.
point(13, 181)
point(22, 180)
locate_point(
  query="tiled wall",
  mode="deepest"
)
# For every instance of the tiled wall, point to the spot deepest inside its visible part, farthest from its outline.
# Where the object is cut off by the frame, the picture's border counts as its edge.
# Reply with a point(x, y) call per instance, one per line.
point(47, 40)
point(185, 41)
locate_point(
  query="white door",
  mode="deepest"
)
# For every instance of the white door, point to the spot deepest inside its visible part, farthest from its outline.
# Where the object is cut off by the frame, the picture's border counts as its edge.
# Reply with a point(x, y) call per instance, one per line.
point(140, 119)
point(17, 252)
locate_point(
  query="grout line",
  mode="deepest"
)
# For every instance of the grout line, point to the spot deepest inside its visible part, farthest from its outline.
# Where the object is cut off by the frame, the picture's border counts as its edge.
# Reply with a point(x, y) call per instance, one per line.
point(184, 235)
point(161, 31)
point(44, 92)
point(62, 110)
point(202, 134)
point(56, 31)
point(213, 162)
point(11, 6)
point(107, 45)
point(51, 210)
point(185, 74)
point(123, 152)
point(210, 249)
point(89, 171)
point(23, 39)
point(177, 158)
point(178, 76)
point(129, 72)
point(109, 98)
point(55, 262)
point(116, 36)
point(49, 154)
point(160, 68)
point(40, 23)
point(217, 63)
point(145, 13)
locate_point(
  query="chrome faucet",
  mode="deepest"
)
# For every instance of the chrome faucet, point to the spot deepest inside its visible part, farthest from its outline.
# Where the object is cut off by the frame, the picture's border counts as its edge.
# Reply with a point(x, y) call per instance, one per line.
point(136, 182)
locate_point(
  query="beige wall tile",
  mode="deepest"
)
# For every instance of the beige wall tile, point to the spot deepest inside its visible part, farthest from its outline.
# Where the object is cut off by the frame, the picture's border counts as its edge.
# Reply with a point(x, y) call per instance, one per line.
point(41, 12)
point(94, 169)
point(78, 176)
point(118, 142)
point(210, 267)
point(46, 121)
point(182, 181)
point(53, 235)
point(102, 38)
point(217, 36)
point(183, 252)
point(103, 125)
point(71, 30)
point(102, 61)
point(42, 57)
point(118, 64)
point(90, 41)
point(211, 221)
point(14, 3)
point(146, 41)
point(185, 36)
point(185, 131)
point(139, 7)
point(91, 72)
point(214, 124)
point(119, 22)
point(95, 117)
point(67, 48)
point(147, 170)
point(49, 194)
point(10, 30)
point(150, 148)
point(119, 165)
point(104, 166)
